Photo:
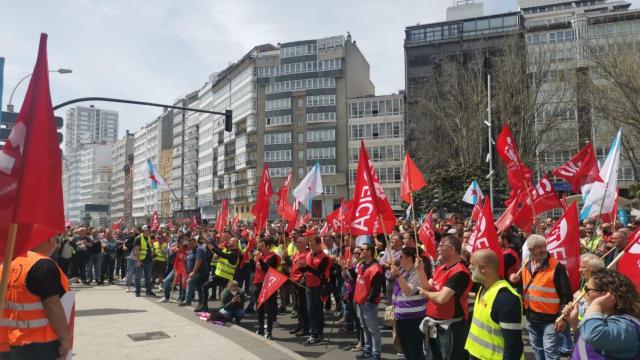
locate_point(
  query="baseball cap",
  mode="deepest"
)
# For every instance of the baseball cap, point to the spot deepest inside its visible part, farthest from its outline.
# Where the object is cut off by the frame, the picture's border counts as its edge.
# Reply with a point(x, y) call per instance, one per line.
point(144, 228)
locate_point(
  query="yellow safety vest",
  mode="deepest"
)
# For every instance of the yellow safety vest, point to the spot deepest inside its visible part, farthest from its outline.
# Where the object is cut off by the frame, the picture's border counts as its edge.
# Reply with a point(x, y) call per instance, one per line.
point(292, 249)
point(279, 252)
point(224, 268)
point(143, 248)
point(158, 249)
point(485, 339)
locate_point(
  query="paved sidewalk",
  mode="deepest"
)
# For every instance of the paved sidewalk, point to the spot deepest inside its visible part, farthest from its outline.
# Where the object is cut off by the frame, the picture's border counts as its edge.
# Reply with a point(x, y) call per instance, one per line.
point(106, 315)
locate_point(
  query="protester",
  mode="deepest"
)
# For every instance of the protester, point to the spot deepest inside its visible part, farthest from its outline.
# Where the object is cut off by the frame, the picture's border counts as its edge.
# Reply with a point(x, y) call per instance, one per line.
point(316, 271)
point(228, 259)
point(36, 324)
point(263, 259)
point(143, 254)
point(496, 328)
point(391, 258)
point(367, 295)
point(232, 299)
point(297, 263)
point(611, 326)
point(447, 307)
point(197, 271)
point(409, 306)
point(619, 241)
point(109, 253)
point(546, 291)
point(160, 255)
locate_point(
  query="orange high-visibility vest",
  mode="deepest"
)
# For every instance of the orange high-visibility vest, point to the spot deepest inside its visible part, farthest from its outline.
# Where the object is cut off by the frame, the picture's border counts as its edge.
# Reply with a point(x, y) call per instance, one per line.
point(27, 321)
point(4, 330)
point(540, 295)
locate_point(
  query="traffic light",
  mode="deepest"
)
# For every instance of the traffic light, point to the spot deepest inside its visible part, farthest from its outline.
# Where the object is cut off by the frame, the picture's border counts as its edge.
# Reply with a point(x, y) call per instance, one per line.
point(228, 120)
point(9, 118)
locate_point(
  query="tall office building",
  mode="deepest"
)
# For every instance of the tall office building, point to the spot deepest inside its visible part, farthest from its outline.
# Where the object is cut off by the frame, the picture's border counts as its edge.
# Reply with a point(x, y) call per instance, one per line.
point(303, 88)
point(182, 177)
point(567, 32)
point(379, 121)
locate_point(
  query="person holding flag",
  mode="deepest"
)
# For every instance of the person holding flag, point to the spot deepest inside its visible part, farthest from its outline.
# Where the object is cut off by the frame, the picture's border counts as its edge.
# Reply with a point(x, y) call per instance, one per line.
point(547, 290)
point(316, 273)
point(263, 259)
point(445, 325)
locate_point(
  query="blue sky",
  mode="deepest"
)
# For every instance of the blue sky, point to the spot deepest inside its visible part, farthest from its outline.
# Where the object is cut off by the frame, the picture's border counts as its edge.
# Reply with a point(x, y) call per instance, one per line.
point(158, 50)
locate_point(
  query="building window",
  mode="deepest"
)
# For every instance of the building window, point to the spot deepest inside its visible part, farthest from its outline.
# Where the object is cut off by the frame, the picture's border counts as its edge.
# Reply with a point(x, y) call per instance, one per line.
point(301, 155)
point(278, 155)
point(300, 173)
point(321, 135)
point(321, 153)
point(321, 100)
point(279, 172)
point(300, 120)
point(325, 169)
point(321, 117)
point(330, 189)
point(277, 138)
point(279, 120)
point(300, 138)
point(300, 103)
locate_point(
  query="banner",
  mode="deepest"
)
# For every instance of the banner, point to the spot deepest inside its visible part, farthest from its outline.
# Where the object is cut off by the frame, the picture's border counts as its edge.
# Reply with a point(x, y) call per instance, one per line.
point(563, 243)
point(273, 280)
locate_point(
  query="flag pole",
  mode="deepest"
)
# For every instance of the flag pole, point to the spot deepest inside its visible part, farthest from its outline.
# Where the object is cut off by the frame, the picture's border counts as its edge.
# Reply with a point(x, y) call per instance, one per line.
point(6, 264)
point(413, 209)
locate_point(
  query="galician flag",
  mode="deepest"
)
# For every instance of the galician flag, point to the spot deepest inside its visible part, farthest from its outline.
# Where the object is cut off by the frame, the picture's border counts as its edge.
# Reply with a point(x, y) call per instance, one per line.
point(157, 182)
point(602, 195)
point(473, 193)
point(309, 187)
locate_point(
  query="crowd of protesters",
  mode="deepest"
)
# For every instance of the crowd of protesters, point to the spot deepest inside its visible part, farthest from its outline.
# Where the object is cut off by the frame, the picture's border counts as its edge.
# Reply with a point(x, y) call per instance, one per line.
point(455, 306)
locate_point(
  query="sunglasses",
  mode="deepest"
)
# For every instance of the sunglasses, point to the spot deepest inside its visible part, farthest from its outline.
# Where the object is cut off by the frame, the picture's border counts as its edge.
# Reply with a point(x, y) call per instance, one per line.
point(588, 289)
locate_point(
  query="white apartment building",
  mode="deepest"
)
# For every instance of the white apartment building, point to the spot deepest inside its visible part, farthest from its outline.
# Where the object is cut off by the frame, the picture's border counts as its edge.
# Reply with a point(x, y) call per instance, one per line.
point(90, 125)
point(379, 121)
point(122, 179)
point(87, 170)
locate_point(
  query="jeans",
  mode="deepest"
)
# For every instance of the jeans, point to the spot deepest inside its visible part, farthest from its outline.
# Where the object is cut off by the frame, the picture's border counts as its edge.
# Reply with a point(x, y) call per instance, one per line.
point(145, 267)
point(544, 339)
point(131, 269)
point(368, 314)
point(94, 267)
point(566, 342)
point(167, 285)
point(233, 314)
point(411, 339)
point(108, 268)
point(33, 351)
point(121, 265)
point(450, 343)
point(195, 285)
point(316, 313)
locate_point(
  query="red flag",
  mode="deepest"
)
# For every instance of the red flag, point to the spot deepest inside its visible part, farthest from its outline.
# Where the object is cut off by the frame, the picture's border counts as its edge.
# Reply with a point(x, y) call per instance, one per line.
point(31, 168)
point(518, 173)
point(369, 201)
point(261, 208)
point(250, 246)
point(477, 210)
point(283, 207)
point(304, 219)
point(412, 179)
point(223, 215)
point(428, 236)
point(194, 223)
point(68, 223)
point(506, 219)
point(116, 225)
point(544, 198)
point(484, 235)
point(582, 169)
point(333, 220)
point(155, 222)
point(272, 282)
point(294, 217)
point(234, 223)
point(629, 264)
point(563, 243)
point(325, 229)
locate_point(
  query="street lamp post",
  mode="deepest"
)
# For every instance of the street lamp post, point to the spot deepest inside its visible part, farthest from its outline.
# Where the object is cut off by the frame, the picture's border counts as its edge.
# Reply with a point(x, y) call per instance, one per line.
point(10, 104)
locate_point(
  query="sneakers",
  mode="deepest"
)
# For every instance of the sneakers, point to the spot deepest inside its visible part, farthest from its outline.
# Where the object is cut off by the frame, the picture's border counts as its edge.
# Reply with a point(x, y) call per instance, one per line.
point(268, 336)
point(358, 347)
point(363, 355)
point(128, 290)
point(312, 341)
point(163, 300)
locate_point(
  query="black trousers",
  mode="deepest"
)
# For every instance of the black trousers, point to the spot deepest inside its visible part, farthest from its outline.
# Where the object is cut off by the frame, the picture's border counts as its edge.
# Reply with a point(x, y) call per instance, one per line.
point(269, 308)
point(411, 338)
point(301, 307)
point(36, 351)
point(108, 268)
point(212, 284)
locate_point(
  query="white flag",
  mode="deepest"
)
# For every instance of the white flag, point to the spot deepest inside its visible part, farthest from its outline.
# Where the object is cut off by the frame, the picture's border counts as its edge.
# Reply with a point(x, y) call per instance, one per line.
point(602, 195)
point(473, 193)
point(309, 187)
point(148, 171)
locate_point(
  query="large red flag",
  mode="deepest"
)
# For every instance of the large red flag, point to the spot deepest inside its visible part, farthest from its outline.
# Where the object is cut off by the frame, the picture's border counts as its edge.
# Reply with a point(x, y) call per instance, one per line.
point(31, 168)
point(563, 243)
point(116, 225)
point(629, 264)
point(155, 221)
point(333, 220)
point(272, 282)
point(518, 173)
point(234, 223)
point(283, 207)
point(261, 208)
point(223, 215)
point(369, 200)
point(428, 236)
point(412, 179)
point(582, 169)
point(485, 236)
point(519, 210)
